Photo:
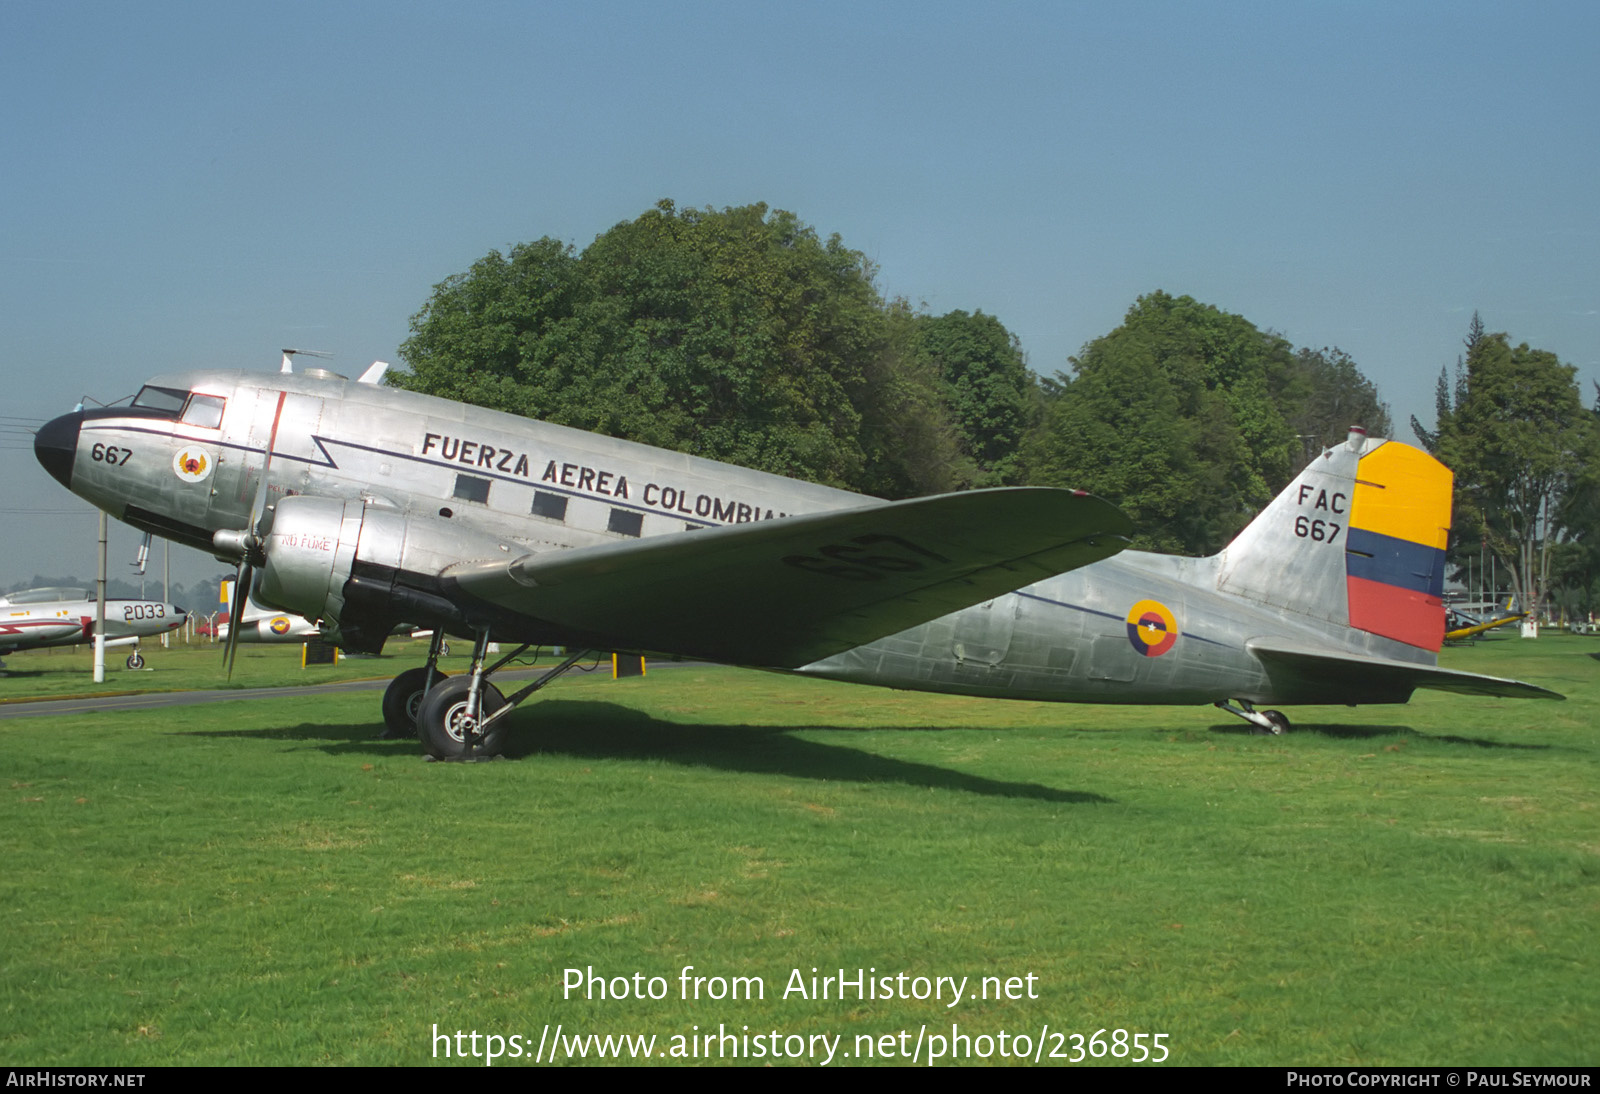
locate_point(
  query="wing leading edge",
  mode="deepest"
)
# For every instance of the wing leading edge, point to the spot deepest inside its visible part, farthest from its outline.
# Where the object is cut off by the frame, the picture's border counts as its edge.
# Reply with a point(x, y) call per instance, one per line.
point(787, 592)
point(1375, 679)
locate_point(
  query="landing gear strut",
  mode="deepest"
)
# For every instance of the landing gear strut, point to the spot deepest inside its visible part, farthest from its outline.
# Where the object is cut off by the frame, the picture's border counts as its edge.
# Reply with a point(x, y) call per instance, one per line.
point(402, 702)
point(1273, 722)
point(463, 717)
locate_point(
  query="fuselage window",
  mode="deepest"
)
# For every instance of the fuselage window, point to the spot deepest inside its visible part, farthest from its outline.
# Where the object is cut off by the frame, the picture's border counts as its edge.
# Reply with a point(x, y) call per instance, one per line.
point(553, 506)
point(204, 411)
point(625, 523)
point(160, 398)
point(472, 488)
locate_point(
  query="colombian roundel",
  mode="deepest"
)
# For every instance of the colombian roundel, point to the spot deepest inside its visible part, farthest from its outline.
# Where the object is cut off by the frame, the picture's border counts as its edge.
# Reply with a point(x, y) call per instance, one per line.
point(279, 624)
point(1152, 628)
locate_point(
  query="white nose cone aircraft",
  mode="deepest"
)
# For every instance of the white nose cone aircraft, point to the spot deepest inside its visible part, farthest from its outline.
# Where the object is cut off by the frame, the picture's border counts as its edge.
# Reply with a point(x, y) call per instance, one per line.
point(66, 617)
point(359, 507)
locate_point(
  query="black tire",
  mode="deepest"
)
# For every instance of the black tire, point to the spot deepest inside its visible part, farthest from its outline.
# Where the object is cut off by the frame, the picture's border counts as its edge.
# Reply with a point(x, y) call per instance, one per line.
point(1279, 720)
point(135, 660)
point(402, 702)
point(439, 722)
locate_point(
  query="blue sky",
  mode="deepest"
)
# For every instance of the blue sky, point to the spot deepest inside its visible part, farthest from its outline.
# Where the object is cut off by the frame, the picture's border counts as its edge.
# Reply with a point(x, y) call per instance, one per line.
point(196, 185)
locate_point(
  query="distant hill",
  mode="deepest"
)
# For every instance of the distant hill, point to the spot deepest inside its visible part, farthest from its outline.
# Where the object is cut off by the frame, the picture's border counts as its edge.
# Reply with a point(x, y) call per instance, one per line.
point(204, 596)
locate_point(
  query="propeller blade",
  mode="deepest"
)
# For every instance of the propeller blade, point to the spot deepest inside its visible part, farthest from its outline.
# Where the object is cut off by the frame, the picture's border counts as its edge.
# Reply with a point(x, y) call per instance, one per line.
point(241, 580)
point(260, 507)
point(251, 544)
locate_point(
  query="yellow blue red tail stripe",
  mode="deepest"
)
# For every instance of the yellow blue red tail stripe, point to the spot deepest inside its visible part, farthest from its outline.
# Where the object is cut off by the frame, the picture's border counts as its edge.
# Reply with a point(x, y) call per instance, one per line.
point(1394, 553)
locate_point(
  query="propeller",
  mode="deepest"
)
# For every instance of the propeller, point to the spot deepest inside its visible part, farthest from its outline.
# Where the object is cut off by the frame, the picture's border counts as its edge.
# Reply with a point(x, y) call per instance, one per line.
point(249, 545)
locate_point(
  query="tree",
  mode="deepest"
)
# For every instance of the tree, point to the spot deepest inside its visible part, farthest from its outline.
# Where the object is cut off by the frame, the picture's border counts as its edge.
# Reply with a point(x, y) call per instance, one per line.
point(1182, 403)
point(1118, 430)
point(1520, 443)
point(1328, 394)
point(1446, 397)
point(990, 390)
point(496, 334)
point(912, 443)
point(740, 335)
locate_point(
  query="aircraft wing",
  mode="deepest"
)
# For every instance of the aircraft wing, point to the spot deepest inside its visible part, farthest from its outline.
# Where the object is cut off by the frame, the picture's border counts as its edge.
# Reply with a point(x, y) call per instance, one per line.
point(1369, 676)
point(787, 592)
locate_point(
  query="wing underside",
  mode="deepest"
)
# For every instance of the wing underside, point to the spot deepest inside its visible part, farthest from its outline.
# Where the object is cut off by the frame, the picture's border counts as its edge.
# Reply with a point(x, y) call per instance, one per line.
point(787, 592)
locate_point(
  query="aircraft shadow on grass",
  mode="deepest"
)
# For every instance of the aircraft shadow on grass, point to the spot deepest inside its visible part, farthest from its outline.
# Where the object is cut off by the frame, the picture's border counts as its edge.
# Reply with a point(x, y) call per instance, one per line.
point(1357, 733)
point(608, 731)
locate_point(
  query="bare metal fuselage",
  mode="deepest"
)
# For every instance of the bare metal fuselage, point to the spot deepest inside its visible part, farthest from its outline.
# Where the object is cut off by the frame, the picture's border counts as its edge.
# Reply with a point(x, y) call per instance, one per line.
point(1134, 628)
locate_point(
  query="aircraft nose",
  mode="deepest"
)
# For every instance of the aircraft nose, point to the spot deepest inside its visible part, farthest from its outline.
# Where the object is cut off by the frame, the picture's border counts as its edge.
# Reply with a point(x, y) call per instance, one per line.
point(56, 446)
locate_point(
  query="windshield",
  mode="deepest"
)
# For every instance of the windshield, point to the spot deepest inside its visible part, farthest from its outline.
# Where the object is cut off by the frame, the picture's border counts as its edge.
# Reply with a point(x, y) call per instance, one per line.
point(170, 402)
point(160, 398)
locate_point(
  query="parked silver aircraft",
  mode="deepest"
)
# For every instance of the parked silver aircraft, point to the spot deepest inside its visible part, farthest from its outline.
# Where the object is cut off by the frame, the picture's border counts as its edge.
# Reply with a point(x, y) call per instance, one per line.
point(258, 624)
point(65, 617)
point(359, 506)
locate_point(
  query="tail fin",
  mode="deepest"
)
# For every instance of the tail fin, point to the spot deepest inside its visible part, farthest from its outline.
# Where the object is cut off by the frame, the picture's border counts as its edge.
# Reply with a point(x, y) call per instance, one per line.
point(1357, 540)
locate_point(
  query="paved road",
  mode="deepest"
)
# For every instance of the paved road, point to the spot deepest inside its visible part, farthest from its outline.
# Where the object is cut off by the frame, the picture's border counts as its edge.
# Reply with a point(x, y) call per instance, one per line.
point(84, 704)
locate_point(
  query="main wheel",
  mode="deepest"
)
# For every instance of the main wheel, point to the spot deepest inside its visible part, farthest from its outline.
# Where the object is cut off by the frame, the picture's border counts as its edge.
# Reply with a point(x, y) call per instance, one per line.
point(1279, 720)
point(135, 660)
point(444, 725)
point(403, 701)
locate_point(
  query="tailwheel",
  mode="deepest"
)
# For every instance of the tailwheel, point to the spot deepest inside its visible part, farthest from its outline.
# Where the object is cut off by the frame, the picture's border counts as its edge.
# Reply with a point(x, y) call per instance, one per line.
point(402, 702)
point(1262, 722)
point(448, 731)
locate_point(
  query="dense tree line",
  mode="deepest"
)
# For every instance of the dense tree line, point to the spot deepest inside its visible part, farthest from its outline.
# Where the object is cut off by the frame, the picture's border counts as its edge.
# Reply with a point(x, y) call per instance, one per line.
point(1191, 419)
point(203, 596)
point(1526, 453)
point(740, 335)
point(743, 335)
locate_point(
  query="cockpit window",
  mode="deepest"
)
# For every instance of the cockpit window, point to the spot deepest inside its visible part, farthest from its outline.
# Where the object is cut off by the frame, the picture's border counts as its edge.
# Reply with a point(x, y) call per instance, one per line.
point(45, 596)
point(160, 398)
point(204, 411)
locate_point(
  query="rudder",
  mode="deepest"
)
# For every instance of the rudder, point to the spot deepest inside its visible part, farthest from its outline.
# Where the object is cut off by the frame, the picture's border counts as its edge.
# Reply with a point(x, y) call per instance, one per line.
point(1356, 540)
point(1394, 560)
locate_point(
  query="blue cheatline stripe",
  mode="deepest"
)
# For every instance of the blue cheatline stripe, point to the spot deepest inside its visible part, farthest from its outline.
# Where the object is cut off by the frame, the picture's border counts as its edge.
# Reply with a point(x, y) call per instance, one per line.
point(1372, 556)
point(1108, 615)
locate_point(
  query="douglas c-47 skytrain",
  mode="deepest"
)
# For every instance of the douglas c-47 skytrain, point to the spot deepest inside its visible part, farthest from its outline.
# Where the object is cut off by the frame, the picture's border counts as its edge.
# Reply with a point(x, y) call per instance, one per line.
point(361, 506)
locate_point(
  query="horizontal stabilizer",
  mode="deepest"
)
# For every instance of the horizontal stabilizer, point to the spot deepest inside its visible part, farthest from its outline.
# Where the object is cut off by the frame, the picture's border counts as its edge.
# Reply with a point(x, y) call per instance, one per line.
point(786, 592)
point(1377, 679)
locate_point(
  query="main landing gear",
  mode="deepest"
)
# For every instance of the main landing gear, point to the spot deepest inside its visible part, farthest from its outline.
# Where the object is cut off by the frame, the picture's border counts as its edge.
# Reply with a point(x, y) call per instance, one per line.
point(458, 717)
point(1273, 722)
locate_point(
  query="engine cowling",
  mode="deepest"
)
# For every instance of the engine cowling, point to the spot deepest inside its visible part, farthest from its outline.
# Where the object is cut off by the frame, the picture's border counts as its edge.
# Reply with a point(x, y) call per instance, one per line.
point(360, 569)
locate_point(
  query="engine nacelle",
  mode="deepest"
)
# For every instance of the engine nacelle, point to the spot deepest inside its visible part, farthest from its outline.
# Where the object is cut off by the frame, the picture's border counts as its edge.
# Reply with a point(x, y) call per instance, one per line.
point(361, 568)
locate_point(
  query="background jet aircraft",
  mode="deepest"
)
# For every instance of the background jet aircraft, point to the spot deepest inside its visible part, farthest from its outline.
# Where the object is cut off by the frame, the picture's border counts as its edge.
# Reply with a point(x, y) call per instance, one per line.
point(361, 506)
point(65, 617)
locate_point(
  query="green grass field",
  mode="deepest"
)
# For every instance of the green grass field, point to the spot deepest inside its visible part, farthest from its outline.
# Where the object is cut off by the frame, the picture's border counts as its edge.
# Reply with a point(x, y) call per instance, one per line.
point(263, 882)
point(68, 670)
